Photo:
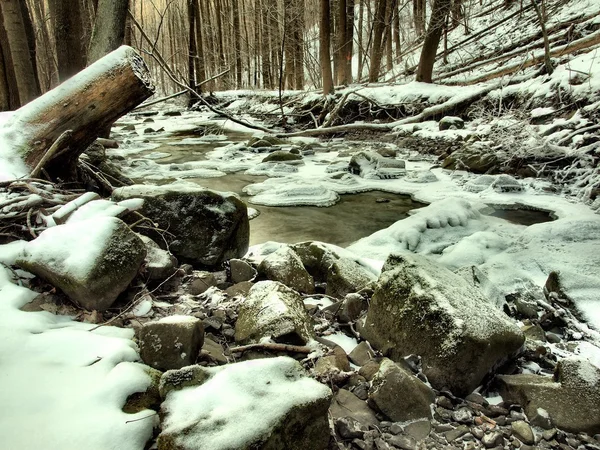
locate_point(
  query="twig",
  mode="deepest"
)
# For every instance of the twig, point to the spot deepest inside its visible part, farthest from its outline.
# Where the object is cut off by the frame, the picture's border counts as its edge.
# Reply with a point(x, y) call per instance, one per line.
point(273, 347)
point(64, 137)
point(29, 225)
point(141, 418)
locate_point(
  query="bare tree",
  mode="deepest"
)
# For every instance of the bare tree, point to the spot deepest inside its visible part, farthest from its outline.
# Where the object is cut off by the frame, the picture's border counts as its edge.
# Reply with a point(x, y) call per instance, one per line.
point(440, 11)
point(109, 28)
point(325, 44)
point(379, 29)
point(69, 36)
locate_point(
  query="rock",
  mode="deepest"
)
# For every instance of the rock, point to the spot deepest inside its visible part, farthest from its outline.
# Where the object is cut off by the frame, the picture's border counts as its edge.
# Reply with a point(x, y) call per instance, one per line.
point(479, 184)
point(352, 307)
point(177, 379)
point(148, 399)
point(241, 288)
point(159, 264)
point(172, 113)
point(369, 370)
point(327, 365)
point(541, 419)
point(213, 351)
point(265, 141)
point(316, 258)
point(473, 159)
point(533, 332)
point(346, 404)
point(171, 342)
point(282, 156)
point(205, 227)
point(419, 429)
point(128, 127)
point(273, 310)
point(462, 415)
point(403, 442)
point(369, 164)
point(346, 276)
point(349, 428)
point(571, 399)
point(523, 432)
point(91, 261)
point(285, 266)
point(240, 271)
point(361, 354)
point(399, 394)
point(201, 282)
point(420, 307)
point(451, 123)
point(456, 433)
point(506, 183)
point(492, 439)
point(275, 406)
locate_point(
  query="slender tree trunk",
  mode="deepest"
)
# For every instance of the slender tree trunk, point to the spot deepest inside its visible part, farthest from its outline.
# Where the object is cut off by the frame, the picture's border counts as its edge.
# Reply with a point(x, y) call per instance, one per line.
point(377, 49)
point(361, 15)
point(419, 15)
point(68, 32)
point(192, 50)
point(19, 48)
point(542, 21)
point(440, 11)
point(299, 45)
point(396, 32)
point(109, 28)
point(200, 60)
point(46, 62)
point(237, 43)
point(325, 44)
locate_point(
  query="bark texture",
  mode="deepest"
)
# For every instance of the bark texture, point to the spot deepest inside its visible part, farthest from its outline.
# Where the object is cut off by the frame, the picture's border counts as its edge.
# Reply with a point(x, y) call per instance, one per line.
point(109, 28)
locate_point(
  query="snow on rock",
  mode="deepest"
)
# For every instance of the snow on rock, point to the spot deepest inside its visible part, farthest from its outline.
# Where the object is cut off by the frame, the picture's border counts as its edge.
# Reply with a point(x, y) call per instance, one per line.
point(63, 385)
point(263, 403)
point(285, 266)
point(273, 311)
point(291, 192)
point(272, 169)
point(419, 307)
point(91, 261)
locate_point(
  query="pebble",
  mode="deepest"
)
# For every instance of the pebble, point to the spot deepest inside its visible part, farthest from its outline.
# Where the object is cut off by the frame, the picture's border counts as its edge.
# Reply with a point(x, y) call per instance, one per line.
point(492, 439)
point(456, 433)
point(404, 442)
point(523, 432)
point(462, 415)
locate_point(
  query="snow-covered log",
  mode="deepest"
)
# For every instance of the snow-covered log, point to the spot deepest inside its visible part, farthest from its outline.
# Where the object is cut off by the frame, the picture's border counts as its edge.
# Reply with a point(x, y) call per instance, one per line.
point(86, 104)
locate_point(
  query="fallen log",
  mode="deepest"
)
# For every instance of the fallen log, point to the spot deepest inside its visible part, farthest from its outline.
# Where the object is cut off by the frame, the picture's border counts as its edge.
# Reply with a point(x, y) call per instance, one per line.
point(86, 104)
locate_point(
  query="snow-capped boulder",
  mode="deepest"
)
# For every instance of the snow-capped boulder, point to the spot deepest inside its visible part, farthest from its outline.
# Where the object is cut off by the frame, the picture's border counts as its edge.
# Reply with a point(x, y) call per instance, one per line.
point(370, 164)
point(399, 394)
point(272, 169)
point(451, 123)
point(506, 183)
point(91, 261)
point(203, 226)
point(346, 276)
point(473, 159)
point(264, 403)
point(420, 307)
point(172, 342)
point(159, 264)
point(571, 398)
point(285, 266)
point(273, 310)
point(283, 156)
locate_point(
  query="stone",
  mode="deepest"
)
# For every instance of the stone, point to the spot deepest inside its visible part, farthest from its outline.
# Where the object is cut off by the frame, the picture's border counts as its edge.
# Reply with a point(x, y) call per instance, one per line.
point(456, 433)
point(403, 442)
point(353, 305)
point(361, 354)
point(265, 141)
point(533, 332)
point(492, 439)
point(399, 394)
point(316, 258)
point(240, 271)
point(473, 159)
point(506, 183)
point(282, 156)
point(92, 261)
point(371, 165)
point(285, 266)
point(172, 342)
point(212, 351)
point(346, 276)
point(349, 428)
point(541, 419)
point(462, 415)
point(346, 404)
point(273, 310)
point(522, 431)
point(147, 399)
point(369, 370)
point(159, 264)
point(241, 288)
point(451, 123)
point(419, 429)
point(420, 307)
point(201, 282)
point(338, 362)
point(264, 403)
point(205, 227)
point(571, 398)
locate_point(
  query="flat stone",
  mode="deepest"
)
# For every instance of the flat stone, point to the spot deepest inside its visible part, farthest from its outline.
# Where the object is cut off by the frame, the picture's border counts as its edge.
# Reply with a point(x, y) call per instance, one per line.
point(361, 354)
point(346, 404)
point(523, 432)
point(241, 271)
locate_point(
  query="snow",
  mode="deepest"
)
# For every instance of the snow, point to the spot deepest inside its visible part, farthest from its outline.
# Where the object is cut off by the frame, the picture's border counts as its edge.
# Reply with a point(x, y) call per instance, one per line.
point(239, 403)
point(343, 340)
point(64, 384)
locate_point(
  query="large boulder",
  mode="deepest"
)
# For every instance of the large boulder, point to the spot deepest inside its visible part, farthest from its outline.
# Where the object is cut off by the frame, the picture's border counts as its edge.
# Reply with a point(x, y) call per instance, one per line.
point(369, 164)
point(420, 307)
point(399, 394)
point(91, 261)
point(285, 266)
point(316, 257)
point(273, 310)
point(203, 226)
point(346, 276)
point(267, 403)
point(571, 398)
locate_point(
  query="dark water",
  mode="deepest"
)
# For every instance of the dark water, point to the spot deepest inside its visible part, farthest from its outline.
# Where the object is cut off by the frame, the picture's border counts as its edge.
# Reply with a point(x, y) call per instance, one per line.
point(523, 216)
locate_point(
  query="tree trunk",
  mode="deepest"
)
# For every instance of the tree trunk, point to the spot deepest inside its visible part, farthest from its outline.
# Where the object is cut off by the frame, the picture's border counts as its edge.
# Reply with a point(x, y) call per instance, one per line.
point(237, 44)
point(379, 29)
point(84, 104)
point(192, 49)
point(19, 45)
point(325, 44)
point(10, 91)
point(109, 28)
point(419, 15)
point(200, 62)
point(299, 45)
point(68, 33)
point(440, 11)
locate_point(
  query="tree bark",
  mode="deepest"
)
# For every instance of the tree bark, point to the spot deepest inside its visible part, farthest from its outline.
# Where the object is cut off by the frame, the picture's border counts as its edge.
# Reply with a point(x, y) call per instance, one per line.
point(379, 29)
point(440, 11)
point(68, 33)
point(109, 28)
point(325, 44)
point(84, 104)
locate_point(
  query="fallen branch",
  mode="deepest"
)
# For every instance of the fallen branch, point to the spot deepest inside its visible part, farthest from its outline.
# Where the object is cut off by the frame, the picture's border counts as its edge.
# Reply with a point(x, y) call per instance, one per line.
point(272, 347)
point(58, 143)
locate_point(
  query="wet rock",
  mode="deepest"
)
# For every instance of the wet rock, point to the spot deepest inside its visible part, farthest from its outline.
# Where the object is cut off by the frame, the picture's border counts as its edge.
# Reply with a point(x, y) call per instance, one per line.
point(472, 159)
point(463, 415)
point(349, 428)
point(369, 370)
point(265, 141)
point(240, 271)
point(273, 310)
point(457, 433)
point(451, 123)
point(173, 113)
point(128, 127)
point(282, 156)
point(420, 307)
point(523, 432)
point(399, 394)
point(492, 439)
point(171, 342)
point(571, 398)
point(292, 409)
point(352, 308)
point(361, 354)
point(205, 227)
point(541, 419)
point(159, 264)
point(418, 430)
point(92, 261)
point(285, 266)
point(346, 276)
point(346, 404)
point(201, 282)
point(327, 365)
point(316, 258)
